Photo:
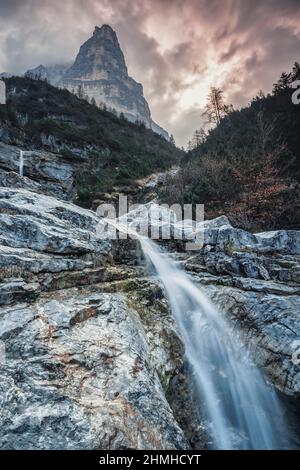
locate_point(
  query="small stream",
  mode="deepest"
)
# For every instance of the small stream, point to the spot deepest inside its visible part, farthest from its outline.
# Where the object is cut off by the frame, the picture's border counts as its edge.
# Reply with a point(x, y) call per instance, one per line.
point(240, 410)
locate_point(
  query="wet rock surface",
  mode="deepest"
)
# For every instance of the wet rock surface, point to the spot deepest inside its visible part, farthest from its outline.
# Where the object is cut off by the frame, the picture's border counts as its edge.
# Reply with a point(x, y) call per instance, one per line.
point(79, 375)
point(44, 172)
point(91, 347)
point(93, 358)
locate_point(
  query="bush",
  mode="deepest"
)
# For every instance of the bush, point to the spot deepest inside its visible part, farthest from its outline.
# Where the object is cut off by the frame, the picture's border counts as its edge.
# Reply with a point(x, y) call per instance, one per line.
point(198, 182)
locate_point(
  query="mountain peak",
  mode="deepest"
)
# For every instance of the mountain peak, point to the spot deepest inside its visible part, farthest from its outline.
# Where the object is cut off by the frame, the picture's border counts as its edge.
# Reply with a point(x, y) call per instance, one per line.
point(103, 28)
point(101, 70)
point(105, 32)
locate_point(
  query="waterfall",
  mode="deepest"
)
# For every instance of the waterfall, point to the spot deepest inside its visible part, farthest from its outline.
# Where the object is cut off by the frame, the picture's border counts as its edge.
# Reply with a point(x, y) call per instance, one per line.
point(241, 411)
point(21, 164)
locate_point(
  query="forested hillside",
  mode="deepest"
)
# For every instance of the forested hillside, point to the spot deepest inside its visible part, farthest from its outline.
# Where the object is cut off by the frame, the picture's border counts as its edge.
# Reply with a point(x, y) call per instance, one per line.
point(108, 149)
point(248, 166)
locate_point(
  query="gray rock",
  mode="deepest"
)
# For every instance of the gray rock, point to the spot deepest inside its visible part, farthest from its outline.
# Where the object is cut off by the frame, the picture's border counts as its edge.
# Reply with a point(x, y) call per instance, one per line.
point(79, 374)
point(44, 224)
point(16, 290)
point(41, 169)
point(284, 268)
point(270, 326)
point(20, 261)
point(11, 179)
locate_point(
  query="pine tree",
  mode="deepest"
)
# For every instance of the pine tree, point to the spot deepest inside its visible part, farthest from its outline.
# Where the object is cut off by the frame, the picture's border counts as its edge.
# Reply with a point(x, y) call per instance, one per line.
point(198, 138)
point(80, 92)
point(172, 140)
point(93, 101)
point(190, 146)
point(283, 83)
point(296, 72)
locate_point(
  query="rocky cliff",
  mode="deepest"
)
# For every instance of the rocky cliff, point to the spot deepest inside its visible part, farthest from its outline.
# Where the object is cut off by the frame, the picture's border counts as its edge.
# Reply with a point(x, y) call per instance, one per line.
point(101, 73)
point(90, 354)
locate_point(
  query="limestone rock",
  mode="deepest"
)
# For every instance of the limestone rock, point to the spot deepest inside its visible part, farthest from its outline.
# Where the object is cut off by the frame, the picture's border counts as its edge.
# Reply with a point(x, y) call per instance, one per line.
point(44, 172)
point(78, 375)
point(270, 326)
point(101, 72)
point(44, 224)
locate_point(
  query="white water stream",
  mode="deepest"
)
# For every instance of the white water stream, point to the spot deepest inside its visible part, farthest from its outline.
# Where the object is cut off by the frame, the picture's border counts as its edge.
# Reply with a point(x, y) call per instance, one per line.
point(21, 163)
point(240, 409)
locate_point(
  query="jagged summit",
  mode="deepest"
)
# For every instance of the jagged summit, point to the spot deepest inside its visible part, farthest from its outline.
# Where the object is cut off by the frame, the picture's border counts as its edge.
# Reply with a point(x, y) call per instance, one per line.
point(105, 30)
point(100, 70)
point(100, 57)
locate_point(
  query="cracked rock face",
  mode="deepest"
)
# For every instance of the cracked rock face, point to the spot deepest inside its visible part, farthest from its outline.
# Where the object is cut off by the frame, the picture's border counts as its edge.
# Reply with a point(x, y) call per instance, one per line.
point(261, 297)
point(93, 358)
point(44, 172)
point(44, 224)
point(79, 375)
point(91, 348)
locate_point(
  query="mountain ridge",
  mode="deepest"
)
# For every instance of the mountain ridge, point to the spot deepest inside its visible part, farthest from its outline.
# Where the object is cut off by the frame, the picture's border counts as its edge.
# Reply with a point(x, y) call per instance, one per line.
point(100, 73)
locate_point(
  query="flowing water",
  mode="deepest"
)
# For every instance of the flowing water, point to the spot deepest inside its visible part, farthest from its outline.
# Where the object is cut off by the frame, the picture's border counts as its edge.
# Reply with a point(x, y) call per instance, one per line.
point(21, 164)
point(241, 411)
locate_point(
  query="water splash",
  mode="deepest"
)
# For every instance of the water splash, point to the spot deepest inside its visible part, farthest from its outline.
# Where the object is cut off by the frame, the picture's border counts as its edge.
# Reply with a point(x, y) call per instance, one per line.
point(240, 409)
point(21, 163)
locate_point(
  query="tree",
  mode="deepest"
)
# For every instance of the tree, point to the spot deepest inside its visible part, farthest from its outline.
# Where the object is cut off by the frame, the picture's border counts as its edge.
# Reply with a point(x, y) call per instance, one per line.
point(283, 83)
point(172, 140)
point(198, 137)
point(260, 96)
point(80, 92)
point(93, 102)
point(102, 106)
point(215, 107)
point(296, 71)
point(189, 146)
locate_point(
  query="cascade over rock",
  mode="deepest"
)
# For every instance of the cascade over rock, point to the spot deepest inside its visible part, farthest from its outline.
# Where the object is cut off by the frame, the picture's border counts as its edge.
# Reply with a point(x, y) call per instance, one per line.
point(93, 355)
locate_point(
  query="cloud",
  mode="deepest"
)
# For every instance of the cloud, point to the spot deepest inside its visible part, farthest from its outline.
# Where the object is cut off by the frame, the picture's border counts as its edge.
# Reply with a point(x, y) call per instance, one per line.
point(177, 49)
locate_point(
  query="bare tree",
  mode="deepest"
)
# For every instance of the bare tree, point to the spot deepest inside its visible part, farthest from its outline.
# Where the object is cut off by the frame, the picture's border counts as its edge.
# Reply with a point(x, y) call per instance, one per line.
point(215, 107)
point(265, 131)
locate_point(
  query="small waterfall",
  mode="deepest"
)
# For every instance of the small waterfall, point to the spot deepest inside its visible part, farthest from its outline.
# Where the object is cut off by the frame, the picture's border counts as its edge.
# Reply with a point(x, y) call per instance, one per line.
point(241, 411)
point(21, 163)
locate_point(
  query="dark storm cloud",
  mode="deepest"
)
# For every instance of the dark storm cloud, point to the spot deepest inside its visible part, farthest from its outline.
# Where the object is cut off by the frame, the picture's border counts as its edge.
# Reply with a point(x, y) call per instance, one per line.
point(175, 48)
point(9, 7)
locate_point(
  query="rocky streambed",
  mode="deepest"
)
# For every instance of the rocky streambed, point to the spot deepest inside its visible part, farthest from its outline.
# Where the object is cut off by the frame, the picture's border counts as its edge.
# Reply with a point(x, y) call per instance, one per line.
point(91, 356)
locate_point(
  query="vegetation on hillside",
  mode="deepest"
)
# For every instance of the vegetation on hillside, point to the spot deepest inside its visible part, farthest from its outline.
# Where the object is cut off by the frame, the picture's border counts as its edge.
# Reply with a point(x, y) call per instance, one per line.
point(108, 150)
point(248, 166)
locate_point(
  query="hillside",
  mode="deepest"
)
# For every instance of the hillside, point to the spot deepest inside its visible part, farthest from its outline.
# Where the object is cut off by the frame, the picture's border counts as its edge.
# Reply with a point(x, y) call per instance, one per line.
point(107, 150)
point(100, 73)
point(248, 166)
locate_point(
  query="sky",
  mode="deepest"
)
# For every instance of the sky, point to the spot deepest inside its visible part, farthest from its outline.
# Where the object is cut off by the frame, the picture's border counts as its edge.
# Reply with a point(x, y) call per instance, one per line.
point(177, 49)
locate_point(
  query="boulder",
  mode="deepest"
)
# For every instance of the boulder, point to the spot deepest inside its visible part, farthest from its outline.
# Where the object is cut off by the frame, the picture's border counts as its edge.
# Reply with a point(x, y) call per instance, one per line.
point(44, 224)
